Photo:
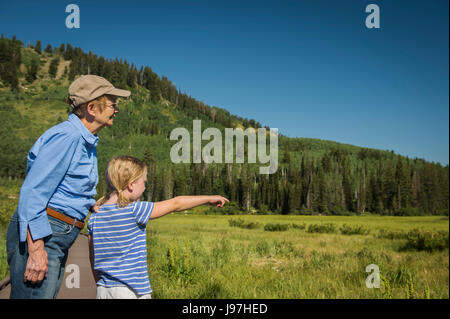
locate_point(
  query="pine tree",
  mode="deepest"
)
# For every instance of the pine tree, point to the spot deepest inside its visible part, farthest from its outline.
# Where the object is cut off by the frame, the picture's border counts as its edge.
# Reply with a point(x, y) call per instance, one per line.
point(347, 186)
point(74, 68)
point(362, 192)
point(415, 188)
point(247, 188)
point(10, 60)
point(326, 163)
point(378, 190)
point(68, 52)
point(155, 89)
point(53, 68)
point(430, 189)
point(403, 183)
point(151, 173)
point(48, 49)
point(443, 183)
point(287, 154)
point(164, 87)
point(38, 47)
point(181, 183)
point(389, 188)
point(168, 182)
point(322, 201)
point(308, 179)
point(62, 49)
point(32, 71)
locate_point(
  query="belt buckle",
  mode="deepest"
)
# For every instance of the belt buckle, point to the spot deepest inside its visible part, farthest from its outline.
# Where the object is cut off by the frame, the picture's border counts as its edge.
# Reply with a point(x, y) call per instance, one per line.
point(74, 222)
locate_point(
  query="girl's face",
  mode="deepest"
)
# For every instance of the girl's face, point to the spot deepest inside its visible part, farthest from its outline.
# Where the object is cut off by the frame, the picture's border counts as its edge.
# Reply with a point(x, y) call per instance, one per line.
point(138, 187)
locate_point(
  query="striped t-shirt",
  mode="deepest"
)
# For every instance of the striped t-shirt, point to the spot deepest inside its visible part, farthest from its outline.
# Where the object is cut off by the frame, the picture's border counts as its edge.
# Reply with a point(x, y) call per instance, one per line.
point(120, 247)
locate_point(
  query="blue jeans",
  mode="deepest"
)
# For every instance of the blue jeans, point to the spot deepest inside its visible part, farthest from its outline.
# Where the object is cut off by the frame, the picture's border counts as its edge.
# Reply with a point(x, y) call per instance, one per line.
point(57, 247)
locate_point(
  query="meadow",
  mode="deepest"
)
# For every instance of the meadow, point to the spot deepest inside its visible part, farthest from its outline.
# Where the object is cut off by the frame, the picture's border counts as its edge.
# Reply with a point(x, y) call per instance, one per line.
point(216, 256)
point(199, 254)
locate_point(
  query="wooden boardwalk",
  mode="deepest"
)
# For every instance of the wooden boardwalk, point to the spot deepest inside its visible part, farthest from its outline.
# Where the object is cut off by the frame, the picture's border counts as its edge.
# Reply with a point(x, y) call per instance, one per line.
point(79, 256)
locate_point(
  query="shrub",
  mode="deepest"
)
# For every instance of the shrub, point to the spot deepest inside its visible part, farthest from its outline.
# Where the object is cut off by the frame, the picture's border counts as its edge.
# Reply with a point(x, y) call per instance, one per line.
point(443, 212)
point(276, 227)
point(387, 293)
point(410, 292)
point(410, 211)
point(298, 226)
point(263, 210)
point(243, 224)
point(322, 228)
point(235, 222)
point(400, 276)
point(354, 230)
point(339, 211)
point(178, 263)
point(305, 211)
point(382, 233)
point(418, 239)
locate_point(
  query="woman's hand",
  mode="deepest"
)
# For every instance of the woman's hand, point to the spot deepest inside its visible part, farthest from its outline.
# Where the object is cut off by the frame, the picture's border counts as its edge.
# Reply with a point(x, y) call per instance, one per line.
point(37, 263)
point(218, 200)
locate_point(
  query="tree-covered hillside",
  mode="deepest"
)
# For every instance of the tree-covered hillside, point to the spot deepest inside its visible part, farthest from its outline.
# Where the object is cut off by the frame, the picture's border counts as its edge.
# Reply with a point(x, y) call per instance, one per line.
point(313, 176)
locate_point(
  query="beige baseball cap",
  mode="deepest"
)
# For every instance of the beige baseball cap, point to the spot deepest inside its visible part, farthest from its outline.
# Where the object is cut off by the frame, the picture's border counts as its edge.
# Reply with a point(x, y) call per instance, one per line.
point(89, 87)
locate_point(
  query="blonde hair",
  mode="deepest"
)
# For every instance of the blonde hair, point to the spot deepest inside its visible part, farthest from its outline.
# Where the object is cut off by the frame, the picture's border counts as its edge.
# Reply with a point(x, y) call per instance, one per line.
point(121, 171)
point(100, 103)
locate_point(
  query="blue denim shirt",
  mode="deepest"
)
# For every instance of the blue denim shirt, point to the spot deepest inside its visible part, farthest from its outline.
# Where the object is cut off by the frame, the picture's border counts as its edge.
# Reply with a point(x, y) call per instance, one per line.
point(62, 174)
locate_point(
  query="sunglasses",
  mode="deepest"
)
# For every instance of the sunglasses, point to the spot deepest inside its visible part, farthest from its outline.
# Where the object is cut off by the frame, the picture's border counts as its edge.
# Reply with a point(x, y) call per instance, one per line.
point(114, 106)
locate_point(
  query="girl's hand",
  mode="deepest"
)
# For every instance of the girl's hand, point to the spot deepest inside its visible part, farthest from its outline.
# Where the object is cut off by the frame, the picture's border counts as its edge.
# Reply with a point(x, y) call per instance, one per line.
point(94, 209)
point(218, 200)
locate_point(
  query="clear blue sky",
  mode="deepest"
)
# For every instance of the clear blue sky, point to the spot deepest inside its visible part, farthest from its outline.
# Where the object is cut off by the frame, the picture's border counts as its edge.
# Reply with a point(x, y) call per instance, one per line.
point(309, 68)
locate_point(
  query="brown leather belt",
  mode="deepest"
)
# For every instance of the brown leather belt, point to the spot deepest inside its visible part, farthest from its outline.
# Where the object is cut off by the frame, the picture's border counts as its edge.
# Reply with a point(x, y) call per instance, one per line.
point(64, 218)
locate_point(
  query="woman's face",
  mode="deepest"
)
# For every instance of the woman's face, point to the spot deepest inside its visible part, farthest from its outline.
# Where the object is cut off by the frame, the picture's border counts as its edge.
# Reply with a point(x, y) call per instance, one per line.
point(106, 118)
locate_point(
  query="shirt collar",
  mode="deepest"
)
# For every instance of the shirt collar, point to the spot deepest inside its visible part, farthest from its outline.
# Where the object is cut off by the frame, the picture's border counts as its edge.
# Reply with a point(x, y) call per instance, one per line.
point(88, 136)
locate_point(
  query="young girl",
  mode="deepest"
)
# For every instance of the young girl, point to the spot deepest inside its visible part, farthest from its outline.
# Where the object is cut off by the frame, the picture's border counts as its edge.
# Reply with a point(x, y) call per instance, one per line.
point(116, 232)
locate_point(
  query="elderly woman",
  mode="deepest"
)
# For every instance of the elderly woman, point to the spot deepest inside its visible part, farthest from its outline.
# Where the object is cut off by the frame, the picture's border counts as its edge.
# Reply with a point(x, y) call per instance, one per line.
point(58, 190)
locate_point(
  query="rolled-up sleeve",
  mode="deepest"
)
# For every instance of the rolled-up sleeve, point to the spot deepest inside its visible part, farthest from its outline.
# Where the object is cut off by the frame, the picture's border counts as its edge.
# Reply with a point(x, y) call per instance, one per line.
point(53, 156)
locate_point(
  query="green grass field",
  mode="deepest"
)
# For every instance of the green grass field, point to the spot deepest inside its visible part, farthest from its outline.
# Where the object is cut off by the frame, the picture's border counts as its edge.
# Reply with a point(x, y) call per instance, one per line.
point(204, 256)
point(198, 256)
